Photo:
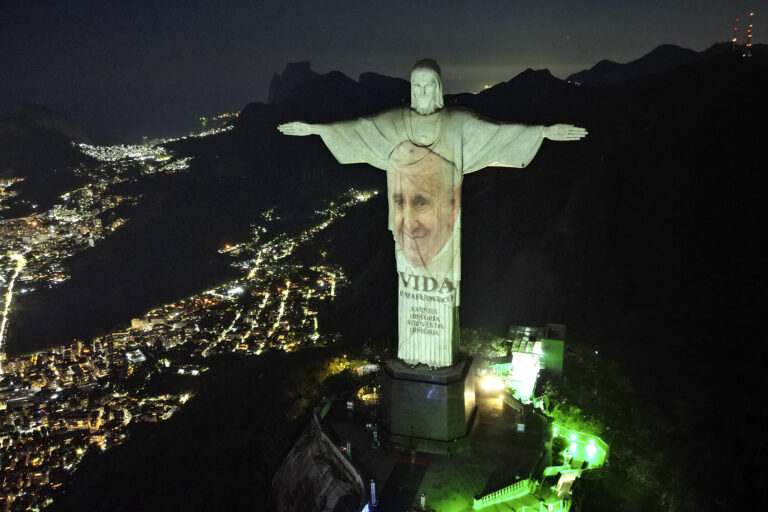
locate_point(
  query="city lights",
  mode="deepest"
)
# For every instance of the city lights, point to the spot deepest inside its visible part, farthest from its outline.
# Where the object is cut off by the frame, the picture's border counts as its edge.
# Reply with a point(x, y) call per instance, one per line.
point(20, 262)
point(273, 304)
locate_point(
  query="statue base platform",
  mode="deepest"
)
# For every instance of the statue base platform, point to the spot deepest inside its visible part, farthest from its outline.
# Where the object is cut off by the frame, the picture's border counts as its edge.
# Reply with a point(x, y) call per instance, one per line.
point(429, 410)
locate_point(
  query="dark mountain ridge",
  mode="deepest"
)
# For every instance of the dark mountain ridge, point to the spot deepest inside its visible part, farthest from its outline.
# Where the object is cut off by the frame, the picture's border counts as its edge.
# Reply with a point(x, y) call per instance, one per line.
point(660, 59)
point(666, 57)
point(293, 75)
point(25, 118)
point(37, 143)
point(34, 139)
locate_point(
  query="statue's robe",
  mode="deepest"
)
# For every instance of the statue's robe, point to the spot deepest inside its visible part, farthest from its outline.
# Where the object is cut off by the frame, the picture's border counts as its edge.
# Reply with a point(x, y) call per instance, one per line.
point(464, 142)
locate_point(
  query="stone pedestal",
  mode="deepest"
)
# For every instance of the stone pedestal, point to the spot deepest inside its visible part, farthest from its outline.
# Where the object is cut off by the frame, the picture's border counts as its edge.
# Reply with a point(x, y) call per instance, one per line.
point(429, 410)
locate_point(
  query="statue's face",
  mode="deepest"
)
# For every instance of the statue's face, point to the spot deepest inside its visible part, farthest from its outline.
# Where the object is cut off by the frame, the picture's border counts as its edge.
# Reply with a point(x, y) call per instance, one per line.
point(425, 208)
point(424, 91)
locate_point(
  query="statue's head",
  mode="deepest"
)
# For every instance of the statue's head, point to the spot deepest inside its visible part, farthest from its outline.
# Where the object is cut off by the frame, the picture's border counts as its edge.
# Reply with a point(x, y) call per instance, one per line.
point(426, 87)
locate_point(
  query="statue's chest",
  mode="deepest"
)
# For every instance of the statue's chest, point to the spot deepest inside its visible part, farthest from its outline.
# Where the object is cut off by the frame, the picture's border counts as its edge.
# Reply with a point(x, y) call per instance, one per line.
point(424, 130)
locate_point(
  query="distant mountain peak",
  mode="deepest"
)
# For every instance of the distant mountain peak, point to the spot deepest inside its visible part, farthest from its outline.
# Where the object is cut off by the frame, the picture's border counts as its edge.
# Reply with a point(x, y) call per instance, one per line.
point(25, 116)
point(530, 78)
point(668, 47)
point(607, 73)
point(32, 109)
point(294, 74)
point(529, 72)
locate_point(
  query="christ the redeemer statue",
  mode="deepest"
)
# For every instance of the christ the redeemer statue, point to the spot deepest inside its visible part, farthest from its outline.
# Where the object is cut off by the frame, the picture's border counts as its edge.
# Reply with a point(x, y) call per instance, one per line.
point(425, 150)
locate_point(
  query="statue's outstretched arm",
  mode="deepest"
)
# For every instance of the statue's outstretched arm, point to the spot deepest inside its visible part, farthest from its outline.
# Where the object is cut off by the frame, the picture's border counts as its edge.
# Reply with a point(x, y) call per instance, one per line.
point(299, 128)
point(564, 132)
point(352, 141)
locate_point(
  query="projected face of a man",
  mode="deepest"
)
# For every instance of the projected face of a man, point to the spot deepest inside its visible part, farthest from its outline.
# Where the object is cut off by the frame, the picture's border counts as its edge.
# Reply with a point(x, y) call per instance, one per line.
point(425, 208)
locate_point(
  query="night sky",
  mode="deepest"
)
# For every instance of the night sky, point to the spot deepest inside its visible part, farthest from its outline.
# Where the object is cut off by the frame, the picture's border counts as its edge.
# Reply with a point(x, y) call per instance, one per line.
point(142, 67)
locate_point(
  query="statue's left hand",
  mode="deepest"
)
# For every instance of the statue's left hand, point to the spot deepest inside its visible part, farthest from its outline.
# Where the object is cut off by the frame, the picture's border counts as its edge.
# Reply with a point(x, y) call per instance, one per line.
point(564, 132)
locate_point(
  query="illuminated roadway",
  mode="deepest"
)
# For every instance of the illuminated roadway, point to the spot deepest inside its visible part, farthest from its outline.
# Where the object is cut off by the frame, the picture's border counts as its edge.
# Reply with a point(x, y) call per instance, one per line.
point(20, 262)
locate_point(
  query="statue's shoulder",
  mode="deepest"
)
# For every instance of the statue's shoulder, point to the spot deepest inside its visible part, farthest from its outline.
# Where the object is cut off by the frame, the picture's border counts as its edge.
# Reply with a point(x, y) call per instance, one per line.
point(459, 113)
point(389, 112)
point(458, 118)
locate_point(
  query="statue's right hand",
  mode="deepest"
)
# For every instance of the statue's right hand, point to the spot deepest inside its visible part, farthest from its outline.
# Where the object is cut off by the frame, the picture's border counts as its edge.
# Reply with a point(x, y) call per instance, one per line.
point(295, 128)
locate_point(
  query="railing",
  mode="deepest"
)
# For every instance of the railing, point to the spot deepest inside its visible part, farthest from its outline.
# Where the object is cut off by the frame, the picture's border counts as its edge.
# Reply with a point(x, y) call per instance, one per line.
point(588, 447)
point(558, 506)
point(553, 470)
point(516, 490)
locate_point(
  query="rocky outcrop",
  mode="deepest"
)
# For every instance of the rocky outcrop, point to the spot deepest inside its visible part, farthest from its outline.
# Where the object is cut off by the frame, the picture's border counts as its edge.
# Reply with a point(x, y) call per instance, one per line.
point(294, 74)
point(316, 477)
point(34, 140)
point(26, 118)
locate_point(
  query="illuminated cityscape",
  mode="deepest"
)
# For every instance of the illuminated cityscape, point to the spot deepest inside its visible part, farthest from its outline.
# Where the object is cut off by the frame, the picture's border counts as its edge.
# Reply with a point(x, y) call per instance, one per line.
point(58, 403)
point(34, 248)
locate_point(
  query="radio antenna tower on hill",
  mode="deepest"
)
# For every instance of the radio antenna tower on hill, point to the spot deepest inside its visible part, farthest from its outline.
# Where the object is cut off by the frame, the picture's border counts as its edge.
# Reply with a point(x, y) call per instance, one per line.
point(748, 43)
point(748, 25)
